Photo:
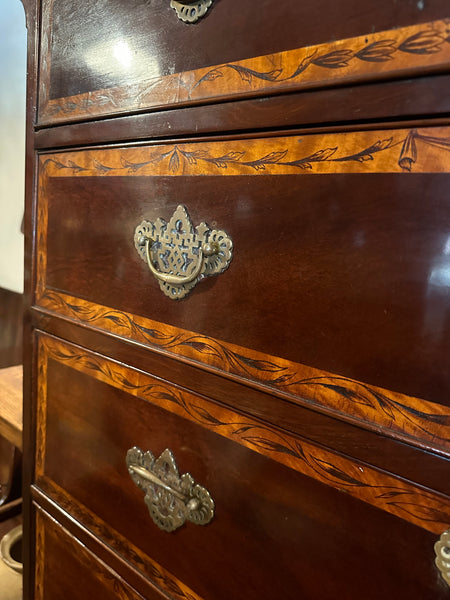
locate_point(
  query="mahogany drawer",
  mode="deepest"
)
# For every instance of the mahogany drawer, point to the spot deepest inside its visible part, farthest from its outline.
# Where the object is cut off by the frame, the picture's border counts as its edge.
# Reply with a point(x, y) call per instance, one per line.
point(285, 509)
point(65, 567)
point(336, 294)
point(91, 68)
point(279, 429)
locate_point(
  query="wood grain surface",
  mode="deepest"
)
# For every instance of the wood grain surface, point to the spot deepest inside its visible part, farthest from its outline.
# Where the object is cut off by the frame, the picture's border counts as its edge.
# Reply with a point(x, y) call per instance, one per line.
point(312, 423)
point(425, 150)
point(358, 266)
point(138, 81)
point(65, 567)
point(307, 387)
point(420, 101)
point(279, 493)
point(11, 397)
point(365, 483)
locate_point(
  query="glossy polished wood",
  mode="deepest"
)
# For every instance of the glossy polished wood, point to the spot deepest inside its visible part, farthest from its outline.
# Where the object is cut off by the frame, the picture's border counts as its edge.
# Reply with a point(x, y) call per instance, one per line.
point(398, 150)
point(412, 98)
point(66, 567)
point(362, 482)
point(84, 29)
point(359, 247)
point(42, 503)
point(282, 513)
point(132, 78)
point(306, 387)
point(424, 468)
point(32, 22)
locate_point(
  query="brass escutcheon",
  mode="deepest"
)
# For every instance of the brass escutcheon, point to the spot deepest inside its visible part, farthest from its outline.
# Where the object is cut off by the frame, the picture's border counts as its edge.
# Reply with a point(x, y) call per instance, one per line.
point(171, 499)
point(190, 11)
point(442, 549)
point(179, 255)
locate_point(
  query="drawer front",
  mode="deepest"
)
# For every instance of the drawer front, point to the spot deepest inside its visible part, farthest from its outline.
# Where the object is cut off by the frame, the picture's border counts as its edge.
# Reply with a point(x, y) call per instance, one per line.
point(283, 507)
point(340, 251)
point(65, 568)
point(116, 56)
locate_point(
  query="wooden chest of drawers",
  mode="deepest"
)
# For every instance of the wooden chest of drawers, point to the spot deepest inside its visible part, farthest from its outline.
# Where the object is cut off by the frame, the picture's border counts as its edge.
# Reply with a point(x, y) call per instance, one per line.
point(237, 373)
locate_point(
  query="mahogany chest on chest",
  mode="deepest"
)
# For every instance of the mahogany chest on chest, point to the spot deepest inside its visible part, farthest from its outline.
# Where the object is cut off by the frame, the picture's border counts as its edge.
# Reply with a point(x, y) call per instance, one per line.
point(237, 370)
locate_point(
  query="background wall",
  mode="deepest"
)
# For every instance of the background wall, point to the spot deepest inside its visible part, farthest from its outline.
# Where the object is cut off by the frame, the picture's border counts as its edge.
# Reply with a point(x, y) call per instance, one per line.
point(12, 142)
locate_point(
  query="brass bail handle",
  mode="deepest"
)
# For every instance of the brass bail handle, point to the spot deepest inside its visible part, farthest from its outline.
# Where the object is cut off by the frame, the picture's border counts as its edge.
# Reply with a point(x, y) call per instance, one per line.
point(171, 498)
point(179, 254)
point(206, 249)
point(191, 503)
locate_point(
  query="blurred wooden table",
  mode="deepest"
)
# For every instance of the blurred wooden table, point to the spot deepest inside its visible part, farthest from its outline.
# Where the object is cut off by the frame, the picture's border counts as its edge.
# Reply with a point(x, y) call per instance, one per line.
point(11, 405)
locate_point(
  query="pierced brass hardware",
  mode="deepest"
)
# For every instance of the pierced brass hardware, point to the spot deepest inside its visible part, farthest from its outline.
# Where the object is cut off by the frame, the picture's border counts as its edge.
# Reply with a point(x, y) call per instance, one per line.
point(190, 11)
point(442, 549)
point(204, 250)
point(171, 499)
point(180, 256)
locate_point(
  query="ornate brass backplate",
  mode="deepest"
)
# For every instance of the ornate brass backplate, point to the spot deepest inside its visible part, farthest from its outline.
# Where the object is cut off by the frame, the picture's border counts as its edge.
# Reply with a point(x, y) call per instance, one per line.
point(442, 549)
point(179, 255)
point(190, 12)
point(171, 499)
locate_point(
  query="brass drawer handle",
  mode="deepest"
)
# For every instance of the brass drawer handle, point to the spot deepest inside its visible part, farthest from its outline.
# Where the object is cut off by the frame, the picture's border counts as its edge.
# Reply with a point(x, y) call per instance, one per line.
point(171, 499)
point(442, 549)
point(179, 255)
point(190, 11)
point(204, 250)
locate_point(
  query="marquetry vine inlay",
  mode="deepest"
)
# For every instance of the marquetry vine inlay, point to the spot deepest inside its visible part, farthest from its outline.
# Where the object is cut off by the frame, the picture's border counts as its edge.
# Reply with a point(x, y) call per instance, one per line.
point(387, 151)
point(398, 497)
point(146, 565)
point(413, 49)
point(110, 581)
point(415, 420)
point(398, 151)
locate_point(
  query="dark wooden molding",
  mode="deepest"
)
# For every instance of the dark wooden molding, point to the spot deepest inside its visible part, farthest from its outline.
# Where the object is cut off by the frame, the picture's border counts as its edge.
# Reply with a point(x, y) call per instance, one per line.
point(308, 111)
